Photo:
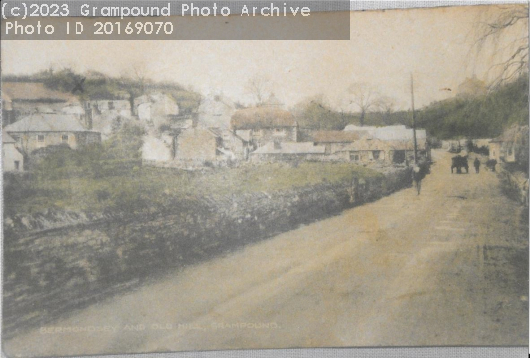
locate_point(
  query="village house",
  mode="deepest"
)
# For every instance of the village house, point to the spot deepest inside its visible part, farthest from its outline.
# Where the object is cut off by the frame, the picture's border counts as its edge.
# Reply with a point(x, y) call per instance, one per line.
point(388, 152)
point(156, 109)
point(262, 125)
point(12, 158)
point(216, 111)
point(20, 99)
point(396, 141)
point(158, 149)
point(334, 141)
point(194, 145)
point(41, 130)
point(508, 146)
point(232, 146)
point(105, 115)
point(120, 106)
point(197, 144)
point(366, 150)
point(288, 152)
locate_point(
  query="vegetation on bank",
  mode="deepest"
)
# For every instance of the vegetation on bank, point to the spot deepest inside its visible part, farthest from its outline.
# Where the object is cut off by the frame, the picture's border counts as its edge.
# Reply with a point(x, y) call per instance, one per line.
point(91, 180)
point(479, 117)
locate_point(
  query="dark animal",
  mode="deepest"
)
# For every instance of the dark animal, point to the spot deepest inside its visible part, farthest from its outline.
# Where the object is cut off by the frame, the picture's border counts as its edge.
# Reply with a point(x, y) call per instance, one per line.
point(459, 162)
point(491, 163)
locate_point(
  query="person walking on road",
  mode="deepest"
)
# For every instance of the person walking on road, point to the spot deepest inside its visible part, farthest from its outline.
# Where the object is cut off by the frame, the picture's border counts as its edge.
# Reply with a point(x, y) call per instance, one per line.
point(417, 177)
point(476, 163)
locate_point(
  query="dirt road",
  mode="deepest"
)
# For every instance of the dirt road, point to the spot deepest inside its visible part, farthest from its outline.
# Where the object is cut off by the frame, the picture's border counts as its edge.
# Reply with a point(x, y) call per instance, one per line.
point(447, 267)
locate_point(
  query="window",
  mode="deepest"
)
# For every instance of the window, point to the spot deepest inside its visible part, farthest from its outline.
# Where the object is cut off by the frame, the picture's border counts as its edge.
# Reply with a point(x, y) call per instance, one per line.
point(17, 165)
point(40, 138)
point(354, 156)
point(64, 138)
point(111, 105)
point(376, 154)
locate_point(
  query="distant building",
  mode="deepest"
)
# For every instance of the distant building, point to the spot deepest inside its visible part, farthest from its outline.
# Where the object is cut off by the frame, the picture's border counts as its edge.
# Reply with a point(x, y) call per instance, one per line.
point(261, 125)
point(12, 158)
point(397, 142)
point(288, 151)
point(367, 150)
point(120, 107)
point(232, 146)
point(197, 144)
point(333, 141)
point(509, 146)
point(156, 109)
point(20, 99)
point(157, 149)
point(41, 130)
point(216, 111)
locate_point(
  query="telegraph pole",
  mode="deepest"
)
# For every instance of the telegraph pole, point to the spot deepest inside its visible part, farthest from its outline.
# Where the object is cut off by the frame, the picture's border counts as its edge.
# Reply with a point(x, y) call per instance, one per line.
point(413, 120)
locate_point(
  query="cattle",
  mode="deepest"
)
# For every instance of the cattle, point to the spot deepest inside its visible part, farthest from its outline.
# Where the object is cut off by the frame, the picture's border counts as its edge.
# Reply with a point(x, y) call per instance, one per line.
point(459, 162)
point(490, 164)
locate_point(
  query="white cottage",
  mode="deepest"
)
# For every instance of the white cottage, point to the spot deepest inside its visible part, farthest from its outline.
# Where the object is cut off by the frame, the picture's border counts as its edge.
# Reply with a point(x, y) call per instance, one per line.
point(12, 158)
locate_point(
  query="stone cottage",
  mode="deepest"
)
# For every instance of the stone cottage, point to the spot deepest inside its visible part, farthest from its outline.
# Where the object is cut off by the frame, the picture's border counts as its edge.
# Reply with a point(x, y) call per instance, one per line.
point(288, 152)
point(509, 146)
point(156, 109)
point(334, 141)
point(41, 130)
point(197, 144)
point(262, 125)
point(12, 158)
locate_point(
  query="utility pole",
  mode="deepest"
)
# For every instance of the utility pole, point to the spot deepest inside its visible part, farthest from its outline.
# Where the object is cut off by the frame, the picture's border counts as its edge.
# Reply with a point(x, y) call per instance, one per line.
point(413, 120)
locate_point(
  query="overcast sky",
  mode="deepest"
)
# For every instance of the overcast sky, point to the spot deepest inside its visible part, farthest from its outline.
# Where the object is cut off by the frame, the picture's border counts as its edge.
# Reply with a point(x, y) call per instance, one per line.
point(385, 47)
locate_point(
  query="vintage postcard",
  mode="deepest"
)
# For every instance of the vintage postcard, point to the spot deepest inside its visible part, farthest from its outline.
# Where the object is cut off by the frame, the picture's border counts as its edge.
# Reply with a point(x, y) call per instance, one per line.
point(189, 176)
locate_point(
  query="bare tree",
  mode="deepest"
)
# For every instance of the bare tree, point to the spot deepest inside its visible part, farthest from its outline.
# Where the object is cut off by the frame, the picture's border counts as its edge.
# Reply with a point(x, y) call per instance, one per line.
point(259, 87)
point(364, 97)
point(386, 106)
point(140, 74)
point(506, 30)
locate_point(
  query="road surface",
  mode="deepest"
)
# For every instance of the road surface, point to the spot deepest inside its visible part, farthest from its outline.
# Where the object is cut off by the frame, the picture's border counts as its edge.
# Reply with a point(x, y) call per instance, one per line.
point(447, 267)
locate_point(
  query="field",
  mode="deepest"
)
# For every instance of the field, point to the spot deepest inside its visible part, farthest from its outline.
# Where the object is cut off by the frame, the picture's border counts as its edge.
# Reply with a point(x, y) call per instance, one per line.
point(126, 186)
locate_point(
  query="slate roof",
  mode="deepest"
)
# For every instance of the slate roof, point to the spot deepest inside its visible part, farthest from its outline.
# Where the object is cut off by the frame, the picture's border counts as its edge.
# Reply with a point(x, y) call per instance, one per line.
point(335, 136)
point(44, 122)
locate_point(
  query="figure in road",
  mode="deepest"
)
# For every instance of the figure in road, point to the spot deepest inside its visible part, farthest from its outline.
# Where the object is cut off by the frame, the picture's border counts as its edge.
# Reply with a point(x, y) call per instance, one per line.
point(476, 164)
point(417, 177)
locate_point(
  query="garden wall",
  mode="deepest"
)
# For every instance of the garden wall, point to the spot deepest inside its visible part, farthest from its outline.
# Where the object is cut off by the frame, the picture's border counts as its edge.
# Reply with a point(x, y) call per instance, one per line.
point(57, 262)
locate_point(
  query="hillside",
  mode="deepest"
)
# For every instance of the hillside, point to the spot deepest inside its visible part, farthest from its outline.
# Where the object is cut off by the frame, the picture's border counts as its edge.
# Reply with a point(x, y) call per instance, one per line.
point(481, 117)
point(485, 116)
point(99, 86)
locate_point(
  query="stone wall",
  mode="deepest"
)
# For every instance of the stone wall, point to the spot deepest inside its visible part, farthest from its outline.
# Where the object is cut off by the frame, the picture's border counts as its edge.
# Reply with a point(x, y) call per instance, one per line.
point(80, 260)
